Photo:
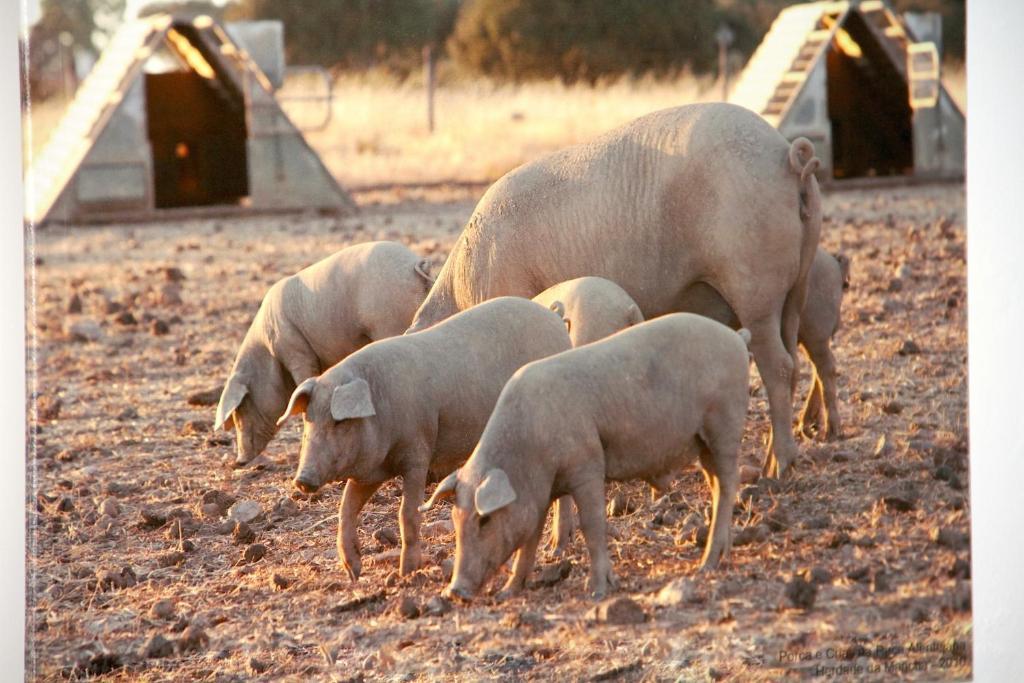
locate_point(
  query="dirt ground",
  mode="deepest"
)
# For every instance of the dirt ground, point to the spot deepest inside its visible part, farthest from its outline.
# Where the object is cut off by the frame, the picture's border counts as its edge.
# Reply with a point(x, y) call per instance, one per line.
point(878, 522)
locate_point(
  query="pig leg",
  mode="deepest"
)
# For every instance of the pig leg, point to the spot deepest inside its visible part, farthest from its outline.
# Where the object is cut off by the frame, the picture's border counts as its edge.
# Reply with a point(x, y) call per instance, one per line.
point(414, 481)
point(563, 526)
point(523, 564)
point(352, 501)
point(825, 372)
point(775, 364)
point(810, 418)
point(589, 497)
point(718, 458)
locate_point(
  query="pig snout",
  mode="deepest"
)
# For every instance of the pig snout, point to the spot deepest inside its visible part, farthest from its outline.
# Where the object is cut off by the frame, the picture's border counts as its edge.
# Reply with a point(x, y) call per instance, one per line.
point(306, 483)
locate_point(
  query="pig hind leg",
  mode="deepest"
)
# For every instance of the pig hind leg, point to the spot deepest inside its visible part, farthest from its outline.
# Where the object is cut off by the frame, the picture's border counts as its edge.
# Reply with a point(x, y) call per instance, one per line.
point(829, 426)
point(775, 364)
point(719, 451)
point(810, 421)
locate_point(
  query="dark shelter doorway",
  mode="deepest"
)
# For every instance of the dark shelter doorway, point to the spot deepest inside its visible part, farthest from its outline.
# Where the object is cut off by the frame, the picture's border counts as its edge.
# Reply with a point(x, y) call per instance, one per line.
point(868, 103)
point(197, 132)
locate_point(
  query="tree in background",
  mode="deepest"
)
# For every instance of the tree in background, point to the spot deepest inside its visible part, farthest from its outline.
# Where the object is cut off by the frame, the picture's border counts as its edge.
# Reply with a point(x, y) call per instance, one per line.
point(522, 39)
point(355, 34)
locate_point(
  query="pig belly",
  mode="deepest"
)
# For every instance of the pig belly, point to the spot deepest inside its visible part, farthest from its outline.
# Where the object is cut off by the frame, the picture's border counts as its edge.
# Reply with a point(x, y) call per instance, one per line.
point(631, 459)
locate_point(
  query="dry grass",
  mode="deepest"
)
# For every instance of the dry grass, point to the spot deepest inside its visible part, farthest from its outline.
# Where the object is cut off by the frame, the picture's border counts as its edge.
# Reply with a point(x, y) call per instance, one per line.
point(125, 432)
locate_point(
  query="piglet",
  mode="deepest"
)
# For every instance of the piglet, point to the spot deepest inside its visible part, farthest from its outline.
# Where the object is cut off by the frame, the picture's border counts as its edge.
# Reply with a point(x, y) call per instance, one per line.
point(413, 406)
point(640, 404)
point(308, 322)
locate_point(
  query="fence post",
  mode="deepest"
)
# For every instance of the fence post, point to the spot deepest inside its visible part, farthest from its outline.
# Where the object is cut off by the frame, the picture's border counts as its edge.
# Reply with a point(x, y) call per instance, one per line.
point(429, 81)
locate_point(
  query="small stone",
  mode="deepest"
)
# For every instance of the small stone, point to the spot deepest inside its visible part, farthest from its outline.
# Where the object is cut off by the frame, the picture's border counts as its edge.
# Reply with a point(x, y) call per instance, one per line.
point(819, 575)
point(126, 318)
point(245, 511)
point(619, 611)
point(116, 580)
point(895, 285)
point(194, 427)
point(84, 330)
point(221, 499)
point(437, 606)
point(48, 407)
point(172, 559)
point(210, 397)
point(110, 307)
point(173, 274)
point(961, 597)
point(159, 327)
point(254, 553)
point(950, 538)
point(74, 304)
point(65, 504)
point(101, 663)
point(284, 508)
point(162, 609)
point(152, 519)
point(880, 582)
point(900, 499)
point(187, 546)
point(553, 574)
point(170, 295)
point(193, 639)
point(211, 511)
point(243, 533)
point(751, 534)
point(407, 607)
point(909, 348)
point(386, 537)
point(156, 647)
point(919, 615)
point(679, 592)
point(801, 593)
point(257, 666)
point(224, 528)
point(109, 507)
point(128, 413)
point(892, 407)
point(279, 582)
point(860, 574)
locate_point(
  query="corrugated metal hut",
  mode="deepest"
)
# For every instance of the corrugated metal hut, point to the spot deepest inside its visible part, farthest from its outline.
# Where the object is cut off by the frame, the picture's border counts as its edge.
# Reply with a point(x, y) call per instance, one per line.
point(175, 117)
point(854, 79)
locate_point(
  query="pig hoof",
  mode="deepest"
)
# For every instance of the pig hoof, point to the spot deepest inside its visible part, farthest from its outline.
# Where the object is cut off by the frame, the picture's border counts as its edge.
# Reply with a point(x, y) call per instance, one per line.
point(353, 569)
point(457, 593)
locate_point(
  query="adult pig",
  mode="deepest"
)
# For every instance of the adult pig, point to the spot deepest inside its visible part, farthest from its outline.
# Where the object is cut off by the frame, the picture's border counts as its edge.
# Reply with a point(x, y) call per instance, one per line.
point(308, 322)
point(593, 308)
point(638, 405)
point(413, 406)
point(711, 193)
point(819, 321)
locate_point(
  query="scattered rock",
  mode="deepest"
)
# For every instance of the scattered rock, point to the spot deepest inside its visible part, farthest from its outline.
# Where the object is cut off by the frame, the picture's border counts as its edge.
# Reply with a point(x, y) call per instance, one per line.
point(193, 639)
point(553, 573)
point(126, 318)
point(116, 580)
point(194, 427)
point(751, 534)
point(171, 559)
point(152, 519)
point(257, 666)
point(407, 607)
point(437, 606)
point(173, 274)
point(880, 582)
point(909, 348)
point(245, 511)
point(900, 498)
point(128, 413)
point(74, 304)
point(950, 538)
point(618, 611)
point(960, 599)
point(65, 504)
point(243, 533)
point(279, 582)
point(895, 285)
point(819, 575)
point(681, 591)
point(386, 537)
point(892, 407)
point(84, 330)
point(777, 520)
point(254, 553)
point(156, 647)
point(170, 295)
point(620, 505)
point(222, 499)
point(48, 407)
point(211, 511)
point(100, 663)
point(162, 609)
point(284, 508)
point(109, 507)
point(801, 593)
point(224, 528)
point(860, 574)
point(210, 397)
point(159, 327)
point(841, 457)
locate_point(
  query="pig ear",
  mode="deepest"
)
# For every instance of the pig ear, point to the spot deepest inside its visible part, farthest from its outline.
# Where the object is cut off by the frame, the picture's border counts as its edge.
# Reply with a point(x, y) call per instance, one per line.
point(493, 493)
point(352, 400)
point(559, 308)
point(230, 399)
point(446, 489)
point(299, 400)
point(635, 316)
